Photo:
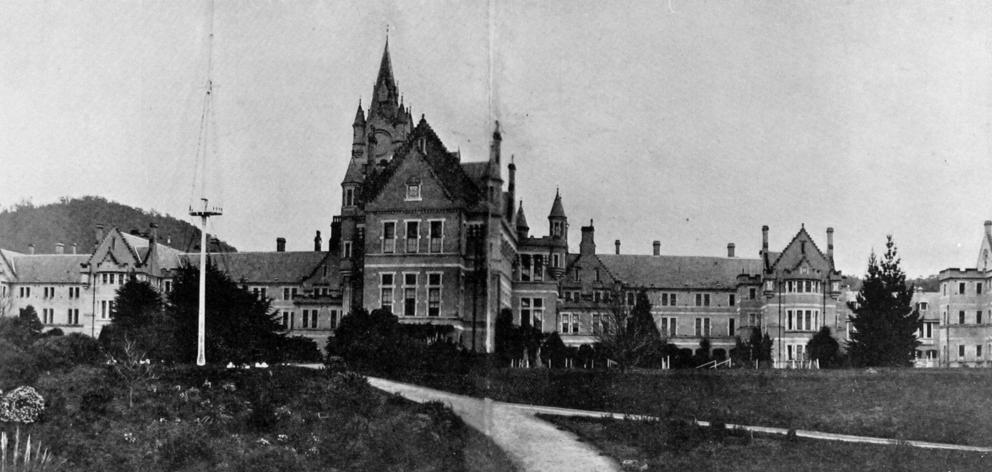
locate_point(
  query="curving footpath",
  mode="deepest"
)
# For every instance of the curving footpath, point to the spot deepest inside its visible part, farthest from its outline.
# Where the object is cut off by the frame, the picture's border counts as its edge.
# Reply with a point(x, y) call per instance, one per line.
point(533, 444)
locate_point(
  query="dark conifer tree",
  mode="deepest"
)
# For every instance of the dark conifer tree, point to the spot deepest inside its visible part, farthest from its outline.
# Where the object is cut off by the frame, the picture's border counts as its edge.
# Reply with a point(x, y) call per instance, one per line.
point(884, 320)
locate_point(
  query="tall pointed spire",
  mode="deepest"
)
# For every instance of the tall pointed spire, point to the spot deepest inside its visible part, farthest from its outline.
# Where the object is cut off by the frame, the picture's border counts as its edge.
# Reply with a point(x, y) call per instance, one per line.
point(557, 210)
point(385, 97)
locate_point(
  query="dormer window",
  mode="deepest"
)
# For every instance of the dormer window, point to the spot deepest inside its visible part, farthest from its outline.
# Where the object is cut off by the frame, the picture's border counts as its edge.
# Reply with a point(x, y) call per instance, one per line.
point(413, 190)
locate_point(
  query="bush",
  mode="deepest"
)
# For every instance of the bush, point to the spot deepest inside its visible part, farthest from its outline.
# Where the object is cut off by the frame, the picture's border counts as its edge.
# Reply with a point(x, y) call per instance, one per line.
point(16, 366)
point(299, 349)
point(61, 352)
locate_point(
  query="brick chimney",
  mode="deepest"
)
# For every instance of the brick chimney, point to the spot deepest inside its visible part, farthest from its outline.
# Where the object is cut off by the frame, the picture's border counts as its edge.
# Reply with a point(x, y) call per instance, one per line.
point(280, 244)
point(587, 246)
point(98, 235)
point(617, 244)
point(764, 239)
point(830, 242)
point(59, 248)
point(74, 248)
point(730, 249)
point(317, 241)
point(656, 246)
point(988, 227)
point(30, 248)
point(152, 232)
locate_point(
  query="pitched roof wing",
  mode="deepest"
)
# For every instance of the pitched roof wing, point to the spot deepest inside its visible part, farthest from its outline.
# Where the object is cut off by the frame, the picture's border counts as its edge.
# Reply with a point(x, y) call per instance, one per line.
point(268, 267)
point(679, 271)
point(50, 268)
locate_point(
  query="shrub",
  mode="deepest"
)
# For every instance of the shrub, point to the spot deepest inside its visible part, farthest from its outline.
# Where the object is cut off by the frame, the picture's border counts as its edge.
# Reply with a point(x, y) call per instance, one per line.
point(21, 405)
point(60, 352)
point(299, 349)
point(16, 366)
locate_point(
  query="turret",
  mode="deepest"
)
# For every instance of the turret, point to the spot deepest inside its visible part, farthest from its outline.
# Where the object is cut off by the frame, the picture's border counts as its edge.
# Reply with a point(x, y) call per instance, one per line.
point(358, 132)
point(557, 221)
point(511, 189)
point(494, 179)
point(523, 230)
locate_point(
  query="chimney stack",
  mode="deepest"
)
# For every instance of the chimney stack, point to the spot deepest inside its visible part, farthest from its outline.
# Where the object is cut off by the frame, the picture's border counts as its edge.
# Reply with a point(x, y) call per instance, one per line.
point(730, 249)
point(830, 240)
point(764, 239)
point(152, 232)
point(280, 244)
point(617, 244)
point(988, 227)
point(99, 235)
point(74, 248)
point(317, 242)
point(657, 248)
point(59, 248)
point(587, 246)
point(30, 248)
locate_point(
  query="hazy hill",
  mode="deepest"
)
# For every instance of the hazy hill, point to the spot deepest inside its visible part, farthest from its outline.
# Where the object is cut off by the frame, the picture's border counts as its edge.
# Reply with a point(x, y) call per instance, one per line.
point(74, 221)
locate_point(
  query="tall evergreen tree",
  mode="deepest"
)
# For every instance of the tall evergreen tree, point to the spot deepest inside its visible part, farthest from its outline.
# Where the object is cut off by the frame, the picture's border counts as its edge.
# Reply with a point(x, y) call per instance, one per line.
point(628, 334)
point(884, 321)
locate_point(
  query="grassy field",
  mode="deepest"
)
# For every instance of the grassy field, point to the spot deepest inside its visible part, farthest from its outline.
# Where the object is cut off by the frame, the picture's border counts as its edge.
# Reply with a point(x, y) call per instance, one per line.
point(248, 420)
point(659, 448)
point(940, 405)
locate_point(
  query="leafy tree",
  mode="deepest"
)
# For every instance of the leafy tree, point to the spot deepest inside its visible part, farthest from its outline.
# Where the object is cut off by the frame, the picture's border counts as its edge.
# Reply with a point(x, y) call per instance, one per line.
point(240, 327)
point(139, 316)
point(884, 320)
point(507, 345)
point(628, 333)
point(554, 352)
point(24, 330)
point(824, 348)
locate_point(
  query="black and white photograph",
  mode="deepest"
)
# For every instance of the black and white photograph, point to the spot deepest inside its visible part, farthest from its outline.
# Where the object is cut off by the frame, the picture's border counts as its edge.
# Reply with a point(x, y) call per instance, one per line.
point(484, 236)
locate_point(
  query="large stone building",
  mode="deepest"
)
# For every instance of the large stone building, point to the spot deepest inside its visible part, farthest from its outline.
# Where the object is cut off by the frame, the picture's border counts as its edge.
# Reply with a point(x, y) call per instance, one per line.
point(76, 292)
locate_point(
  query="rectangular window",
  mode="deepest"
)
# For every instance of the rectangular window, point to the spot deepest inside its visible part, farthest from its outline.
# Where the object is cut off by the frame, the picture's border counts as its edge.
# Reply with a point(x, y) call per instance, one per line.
point(305, 319)
point(436, 235)
point(346, 250)
point(556, 260)
point(978, 317)
point(287, 319)
point(924, 306)
point(412, 236)
point(809, 320)
point(334, 319)
point(752, 293)
point(566, 320)
point(672, 299)
point(597, 324)
point(664, 299)
point(349, 197)
point(103, 309)
point(808, 286)
point(413, 191)
point(525, 267)
point(788, 316)
point(706, 326)
point(978, 351)
point(706, 299)
point(961, 317)
point(539, 268)
point(389, 237)
point(699, 299)
point(433, 294)
point(168, 286)
point(699, 326)
point(386, 292)
point(961, 351)
point(731, 299)
point(669, 326)
point(410, 294)
point(285, 293)
point(731, 327)
point(789, 353)
point(978, 290)
point(532, 312)
point(961, 288)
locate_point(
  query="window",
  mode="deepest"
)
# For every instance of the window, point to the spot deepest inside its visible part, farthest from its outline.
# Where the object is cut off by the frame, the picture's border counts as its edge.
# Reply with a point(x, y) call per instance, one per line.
point(334, 319)
point(961, 288)
point(926, 331)
point(103, 309)
point(699, 299)
point(978, 290)
point(706, 299)
point(346, 250)
point(702, 326)
point(433, 294)
point(788, 317)
point(389, 237)
point(413, 190)
point(664, 299)
point(731, 327)
point(287, 320)
point(961, 351)
point(978, 317)
point(309, 319)
point(168, 286)
point(731, 299)
point(752, 293)
point(702, 299)
point(72, 316)
point(285, 293)
point(924, 306)
point(978, 351)
point(769, 285)
point(525, 267)
point(436, 235)
point(566, 320)
point(669, 326)
point(961, 317)
point(539, 268)
point(349, 197)
point(556, 260)
point(410, 294)
point(386, 292)
point(532, 312)
point(556, 229)
point(104, 278)
point(672, 299)
point(755, 319)
point(412, 236)
point(597, 324)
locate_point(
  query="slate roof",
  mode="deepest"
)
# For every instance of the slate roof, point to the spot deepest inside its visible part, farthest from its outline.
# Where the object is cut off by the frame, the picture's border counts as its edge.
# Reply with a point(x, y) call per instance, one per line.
point(49, 268)
point(556, 208)
point(268, 267)
point(790, 257)
point(679, 271)
point(521, 219)
point(450, 173)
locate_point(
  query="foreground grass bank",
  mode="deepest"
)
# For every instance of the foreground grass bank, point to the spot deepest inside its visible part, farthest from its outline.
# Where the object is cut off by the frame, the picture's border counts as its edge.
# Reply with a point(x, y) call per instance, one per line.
point(939, 405)
point(248, 420)
point(657, 446)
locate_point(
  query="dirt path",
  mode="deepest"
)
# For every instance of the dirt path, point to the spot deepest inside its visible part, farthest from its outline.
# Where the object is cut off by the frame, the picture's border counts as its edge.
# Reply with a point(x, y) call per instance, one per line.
point(533, 444)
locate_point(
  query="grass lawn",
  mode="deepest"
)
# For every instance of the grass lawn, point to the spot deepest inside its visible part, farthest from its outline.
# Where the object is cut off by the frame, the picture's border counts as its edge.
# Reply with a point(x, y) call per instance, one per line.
point(249, 420)
point(660, 448)
point(940, 405)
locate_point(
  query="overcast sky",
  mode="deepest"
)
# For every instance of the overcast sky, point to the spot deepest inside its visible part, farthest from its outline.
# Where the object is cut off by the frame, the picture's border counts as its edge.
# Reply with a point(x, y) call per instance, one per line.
point(693, 123)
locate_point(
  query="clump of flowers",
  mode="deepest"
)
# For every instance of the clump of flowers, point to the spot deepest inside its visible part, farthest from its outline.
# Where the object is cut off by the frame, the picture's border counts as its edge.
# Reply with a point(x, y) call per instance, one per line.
point(21, 405)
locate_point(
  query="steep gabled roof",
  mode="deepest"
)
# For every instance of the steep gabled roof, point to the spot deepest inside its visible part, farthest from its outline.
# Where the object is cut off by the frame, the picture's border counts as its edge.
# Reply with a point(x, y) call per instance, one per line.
point(792, 256)
point(444, 164)
point(268, 267)
point(521, 219)
point(557, 210)
point(50, 268)
point(679, 272)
